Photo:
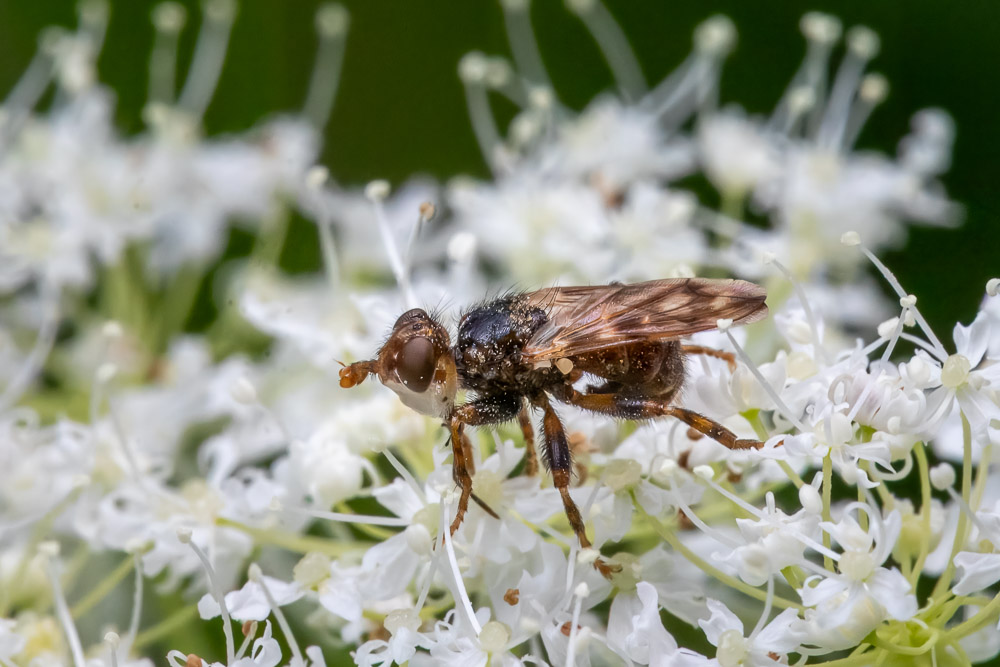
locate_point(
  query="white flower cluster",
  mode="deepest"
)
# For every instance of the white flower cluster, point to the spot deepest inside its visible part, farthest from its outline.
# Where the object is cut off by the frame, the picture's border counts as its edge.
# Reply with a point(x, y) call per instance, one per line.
point(199, 466)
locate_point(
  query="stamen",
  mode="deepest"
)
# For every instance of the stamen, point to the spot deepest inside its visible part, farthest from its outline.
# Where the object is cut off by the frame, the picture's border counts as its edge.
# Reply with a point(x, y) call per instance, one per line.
point(184, 535)
point(810, 318)
point(862, 46)
point(674, 98)
point(370, 519)
point(255, 575)
point(517, 19)
point(93, 15)
point(614, 45)
point(768, 389)
point(768, 604)
point(713, 39)
point(472, 70)
point(581, 591)
point(113, 641)
point(315, 180)
point(500, 77)
point(874, 89)
point(809, 81)
point(249, 633)
point(693, 517)
point(456, 574)
point(25, 94)
point(376, 192)
point(49, 551)
point(36, 358)
point(885, 357)
point(404, 473)
point(332, 21)
point(168, 21)
point(133, 626)
point(939, 350)
point(429, 577)
point(879, 474)
point(209, 54)
point(425, 215)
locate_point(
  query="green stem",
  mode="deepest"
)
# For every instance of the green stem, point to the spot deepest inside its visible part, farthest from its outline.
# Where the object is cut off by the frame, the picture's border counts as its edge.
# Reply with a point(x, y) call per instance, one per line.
point(678, 546)
point(792, 475)
point(925, 513)
point(981, 474)
point(102, 589)
point(167, 626)
point(963, 520)
point(302, 544)
point(827, 493)
point(981, 618)
point(863, 658)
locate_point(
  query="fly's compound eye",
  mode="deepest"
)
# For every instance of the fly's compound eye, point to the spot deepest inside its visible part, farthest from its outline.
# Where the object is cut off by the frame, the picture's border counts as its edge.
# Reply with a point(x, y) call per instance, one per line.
point(416, 364)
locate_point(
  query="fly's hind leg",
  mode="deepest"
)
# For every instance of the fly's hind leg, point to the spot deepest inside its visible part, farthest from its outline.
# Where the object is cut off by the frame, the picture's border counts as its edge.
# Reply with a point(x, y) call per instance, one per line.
point(644, 407)
point(530, 456)
point(560, 462)
point(728, 357)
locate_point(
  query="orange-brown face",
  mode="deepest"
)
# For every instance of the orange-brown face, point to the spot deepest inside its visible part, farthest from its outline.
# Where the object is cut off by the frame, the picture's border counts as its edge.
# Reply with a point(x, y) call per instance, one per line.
point(415, 362)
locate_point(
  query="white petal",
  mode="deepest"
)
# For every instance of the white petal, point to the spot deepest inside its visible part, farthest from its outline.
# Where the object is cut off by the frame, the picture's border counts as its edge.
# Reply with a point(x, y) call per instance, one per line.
point(978, 571)
point(721, 620)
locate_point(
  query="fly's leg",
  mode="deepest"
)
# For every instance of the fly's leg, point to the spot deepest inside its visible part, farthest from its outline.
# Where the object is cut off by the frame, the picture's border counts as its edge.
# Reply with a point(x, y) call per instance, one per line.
point(560, 462)
point(728, 357)
point(639, 407)
point(490, 409)
point(530, 456)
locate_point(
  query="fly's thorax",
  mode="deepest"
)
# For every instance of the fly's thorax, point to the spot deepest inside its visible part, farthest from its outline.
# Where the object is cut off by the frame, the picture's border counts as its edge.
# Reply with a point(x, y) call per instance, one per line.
point(491, 338)
point(416, 363)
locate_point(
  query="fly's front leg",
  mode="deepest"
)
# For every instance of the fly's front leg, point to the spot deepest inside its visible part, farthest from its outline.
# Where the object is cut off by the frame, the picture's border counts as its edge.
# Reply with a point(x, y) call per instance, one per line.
point(491, 409)
point(639, 407)
point(560, 462)
point(459, 472)
point(530, 456)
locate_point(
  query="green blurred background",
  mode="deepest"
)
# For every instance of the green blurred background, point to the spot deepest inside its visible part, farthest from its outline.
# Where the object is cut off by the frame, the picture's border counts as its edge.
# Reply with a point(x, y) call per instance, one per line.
point(400, 109)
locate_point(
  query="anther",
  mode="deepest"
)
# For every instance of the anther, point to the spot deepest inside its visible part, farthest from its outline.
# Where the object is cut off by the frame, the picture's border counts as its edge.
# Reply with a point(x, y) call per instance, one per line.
point(821, 28)
point(472, 67)
point(716, 35)
point(332, 20)
point(874, 88)
point(863, 42)
point(427, 211)
point(169, 17)
point(850, 238)
point(317, 177)
point(377, 190)
point(993, 286)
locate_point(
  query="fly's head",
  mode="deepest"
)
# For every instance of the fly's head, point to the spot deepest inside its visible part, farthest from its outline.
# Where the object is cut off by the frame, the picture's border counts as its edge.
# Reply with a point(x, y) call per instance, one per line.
point(415, 362)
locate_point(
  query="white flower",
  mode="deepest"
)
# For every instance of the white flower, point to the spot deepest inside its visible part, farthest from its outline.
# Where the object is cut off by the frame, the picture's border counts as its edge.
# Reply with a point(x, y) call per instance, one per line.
point(849, 604)
point(635, 631)
point(725, 631)
point(250, 603)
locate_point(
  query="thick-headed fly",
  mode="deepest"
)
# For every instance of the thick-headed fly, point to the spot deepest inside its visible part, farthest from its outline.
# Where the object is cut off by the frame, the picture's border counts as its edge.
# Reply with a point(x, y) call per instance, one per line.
point(522, 351)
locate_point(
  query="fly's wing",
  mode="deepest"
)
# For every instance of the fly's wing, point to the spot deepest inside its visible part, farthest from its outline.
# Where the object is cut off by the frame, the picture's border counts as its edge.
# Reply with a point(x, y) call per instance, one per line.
point(589, 319)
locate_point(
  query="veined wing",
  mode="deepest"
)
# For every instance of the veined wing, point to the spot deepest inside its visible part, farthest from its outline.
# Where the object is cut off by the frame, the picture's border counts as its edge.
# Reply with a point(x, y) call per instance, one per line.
point(589, 319)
